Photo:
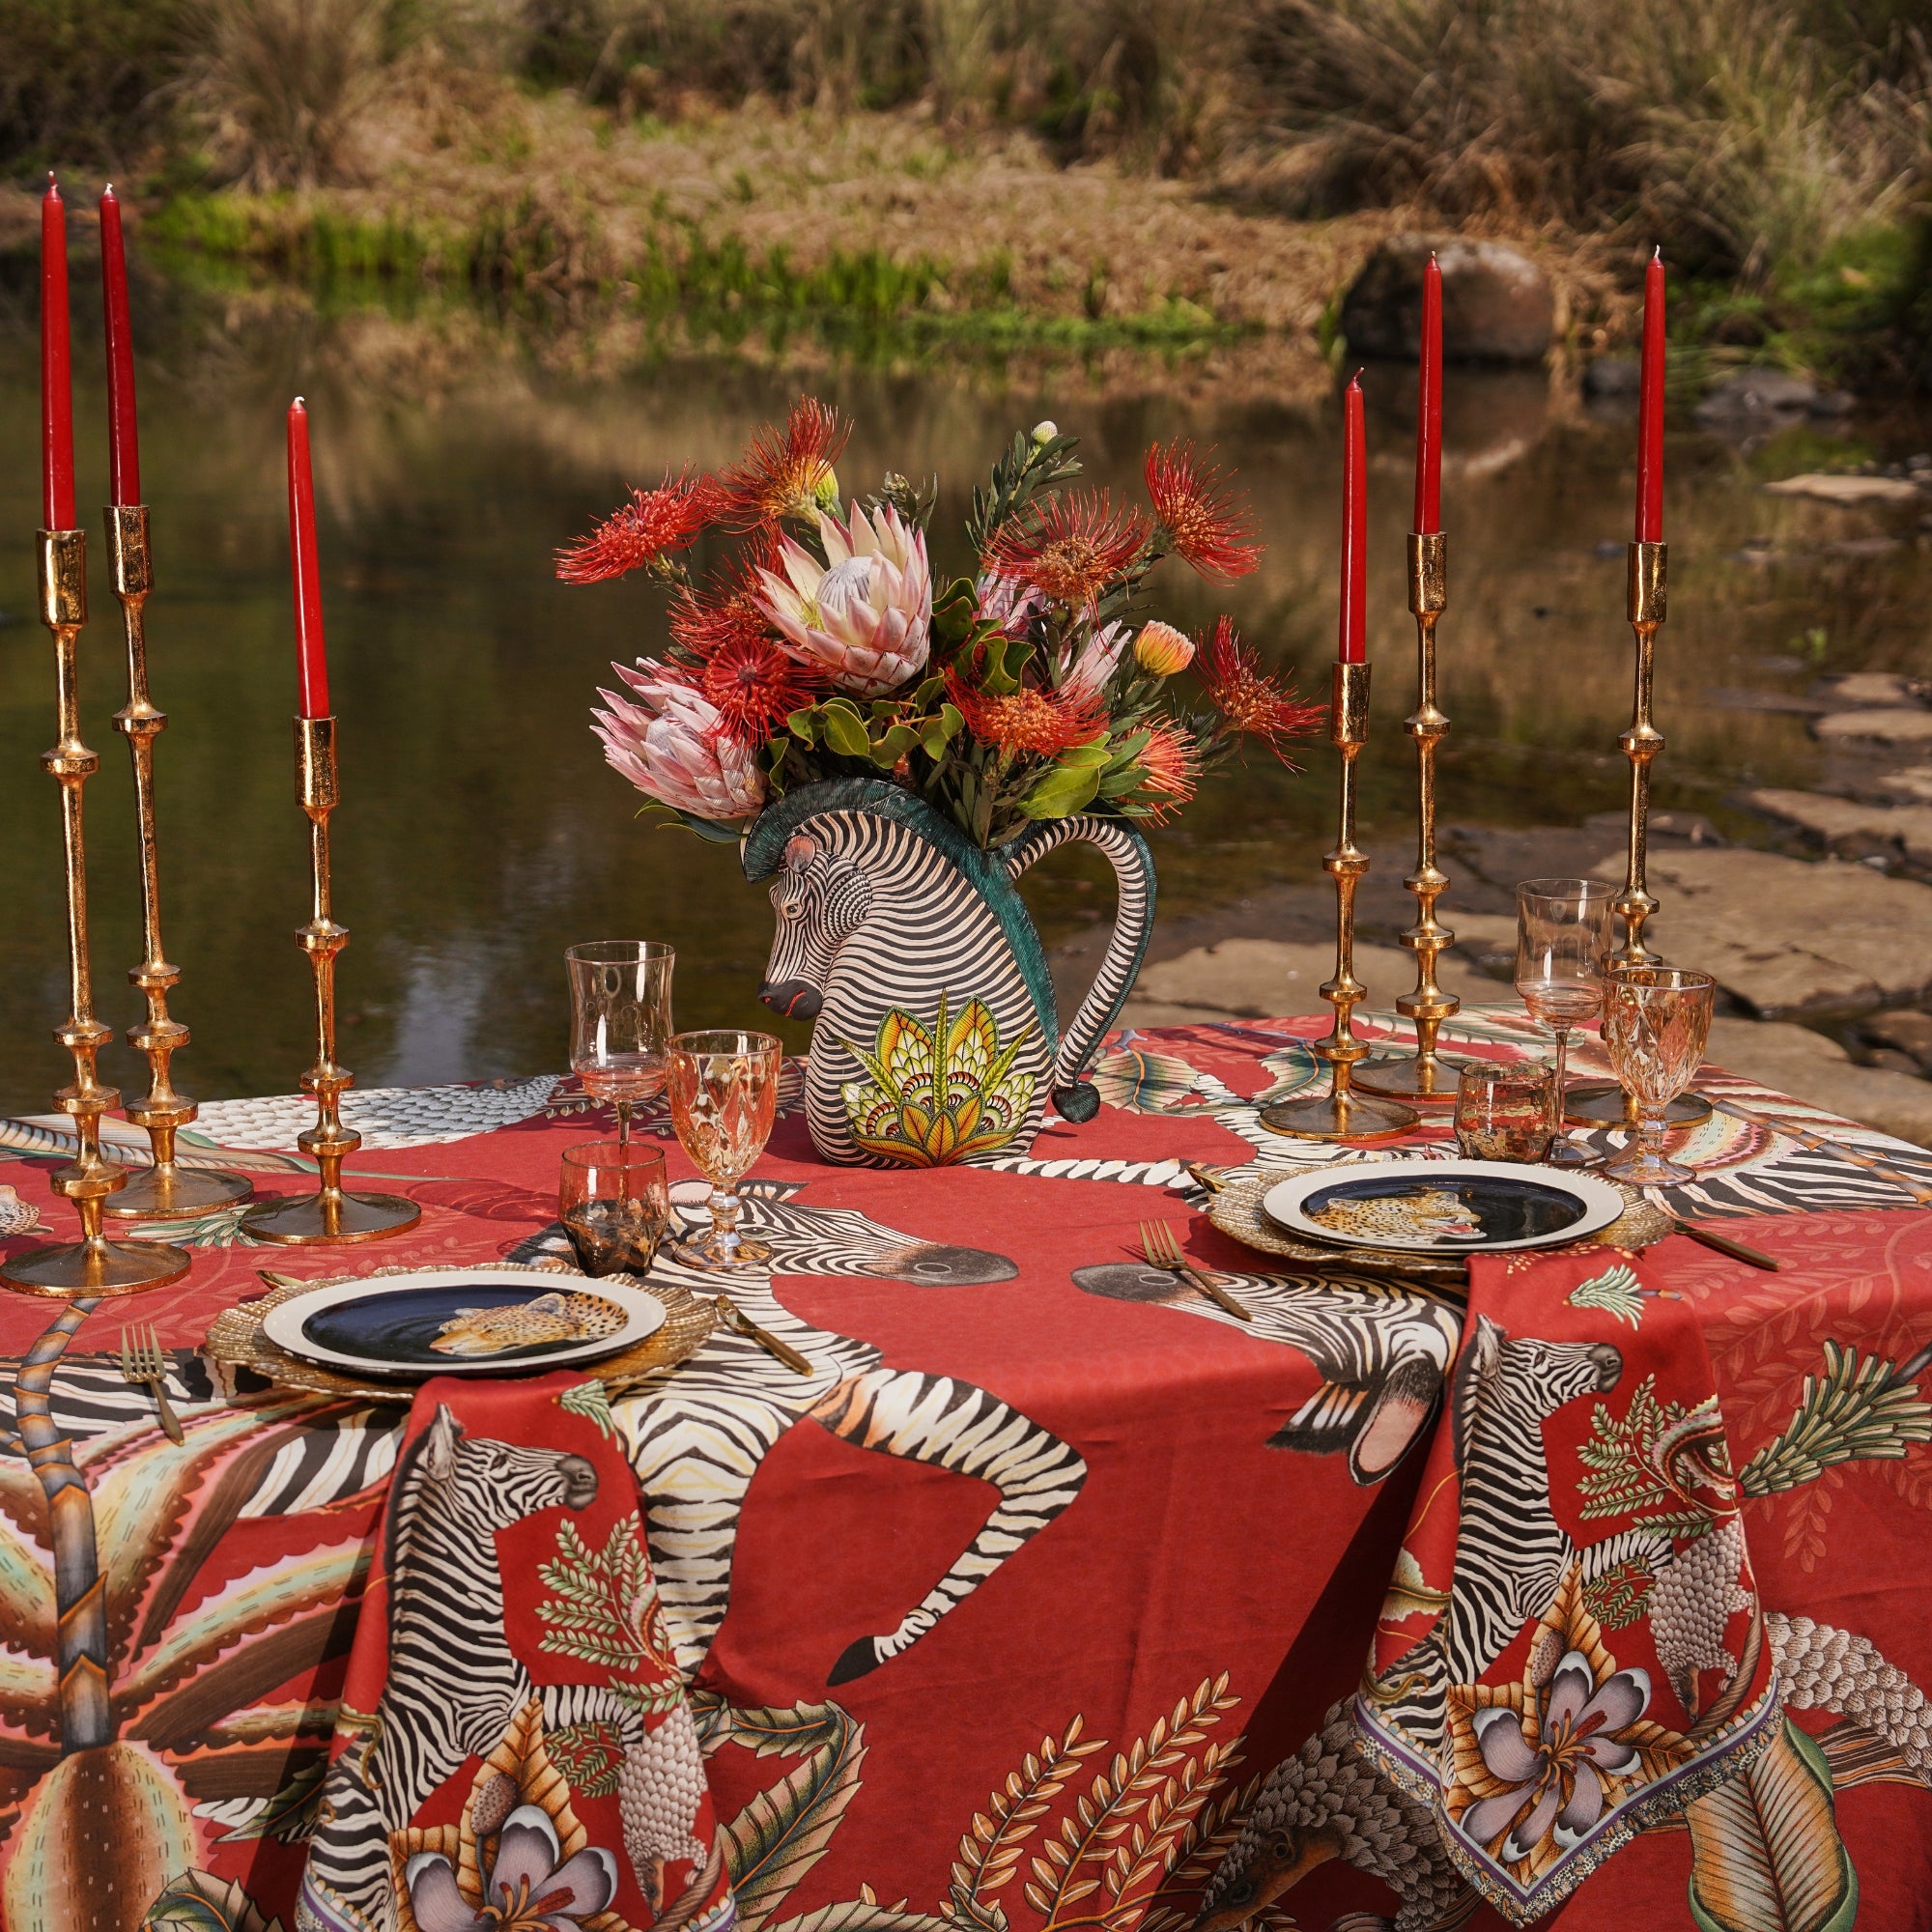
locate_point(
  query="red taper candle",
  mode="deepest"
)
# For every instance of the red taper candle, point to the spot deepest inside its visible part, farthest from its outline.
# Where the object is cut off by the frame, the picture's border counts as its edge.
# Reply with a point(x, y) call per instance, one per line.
point(311, 653)
point(123, 443)
point(56, 373)
point(1428, 407)
point(1650, 415)
point(1353, 645)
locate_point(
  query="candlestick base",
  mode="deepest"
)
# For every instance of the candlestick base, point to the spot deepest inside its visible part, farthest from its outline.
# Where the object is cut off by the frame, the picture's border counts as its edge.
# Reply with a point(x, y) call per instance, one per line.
point(78, 1269)
point(1603, 1104)
point(1421, 1078)
point(171, 1192)
point(329, 1219)
point(1340, 1116)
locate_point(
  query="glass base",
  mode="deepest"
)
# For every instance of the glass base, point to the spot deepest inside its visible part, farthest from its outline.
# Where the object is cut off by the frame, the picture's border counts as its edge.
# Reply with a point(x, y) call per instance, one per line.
point(1347, 1116)
point(314, 1220)
point(81, 1269)
point(1635, 1168)
point(174, 1193)
point(1568, 1154)
point(1414, 1077)
point(1598, 1104)
point(717, 1250)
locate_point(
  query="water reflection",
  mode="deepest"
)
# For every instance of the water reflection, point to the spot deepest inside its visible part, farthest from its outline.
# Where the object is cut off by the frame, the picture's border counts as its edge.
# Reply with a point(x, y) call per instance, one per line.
point(481, 832)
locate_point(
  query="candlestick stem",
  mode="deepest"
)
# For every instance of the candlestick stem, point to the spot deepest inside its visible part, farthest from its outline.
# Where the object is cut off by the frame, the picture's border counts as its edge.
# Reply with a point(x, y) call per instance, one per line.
point(1601, 1105)
point(329, 1216)
point(1342, 1114)
point(167, 1191)
point(1423, 1074)
point(94, 1265)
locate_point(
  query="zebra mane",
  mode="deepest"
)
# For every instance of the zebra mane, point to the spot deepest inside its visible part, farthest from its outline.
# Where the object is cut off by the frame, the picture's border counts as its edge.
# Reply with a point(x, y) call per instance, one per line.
point(406, 1486)
point(1475, 1370)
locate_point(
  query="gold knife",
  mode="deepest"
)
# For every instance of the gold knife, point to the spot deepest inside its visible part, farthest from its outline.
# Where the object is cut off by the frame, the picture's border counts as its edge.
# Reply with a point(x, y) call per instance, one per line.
point(736, 1318)
point(1725, 1246)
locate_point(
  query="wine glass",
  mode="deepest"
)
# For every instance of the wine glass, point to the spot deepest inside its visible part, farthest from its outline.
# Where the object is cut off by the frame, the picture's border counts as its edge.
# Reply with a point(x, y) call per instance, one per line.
point(1503, 1110)
point(723, 1089)
point(1656, 1022)
point(1562, 946)
point(619, 1020)
point(615, 1203)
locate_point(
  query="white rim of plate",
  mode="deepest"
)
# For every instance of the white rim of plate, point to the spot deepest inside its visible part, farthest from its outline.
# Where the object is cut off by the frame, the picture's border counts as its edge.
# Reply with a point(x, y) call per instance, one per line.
point(283, 1325)
point(1601, 1203)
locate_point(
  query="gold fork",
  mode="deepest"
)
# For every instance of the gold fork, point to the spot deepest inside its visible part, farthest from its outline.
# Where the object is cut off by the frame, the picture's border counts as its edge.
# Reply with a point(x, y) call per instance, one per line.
point(1161, 1250)
point(142, 1361)
point(781, 1350)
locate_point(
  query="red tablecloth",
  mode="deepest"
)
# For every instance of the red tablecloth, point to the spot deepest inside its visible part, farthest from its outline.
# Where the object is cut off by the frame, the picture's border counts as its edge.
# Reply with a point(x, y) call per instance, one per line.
point(1016, 1628)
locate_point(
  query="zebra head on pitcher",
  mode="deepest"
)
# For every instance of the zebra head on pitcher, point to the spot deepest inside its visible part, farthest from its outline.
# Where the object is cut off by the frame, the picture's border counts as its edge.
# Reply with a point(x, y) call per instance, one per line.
point(821, 899)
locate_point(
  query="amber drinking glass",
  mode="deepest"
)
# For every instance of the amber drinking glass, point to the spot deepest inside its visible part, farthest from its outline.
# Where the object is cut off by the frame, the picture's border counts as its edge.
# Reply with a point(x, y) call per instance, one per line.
point(615, 1203)
point(1563, 936)
point(1504, 1110)
point(723, 1089)
point(619, 1020)
point(1656, 1022)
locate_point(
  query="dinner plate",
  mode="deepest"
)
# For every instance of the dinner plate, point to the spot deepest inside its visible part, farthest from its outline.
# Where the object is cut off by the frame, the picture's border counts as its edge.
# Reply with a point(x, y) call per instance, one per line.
point(462, 1321)
point(1443, 1206)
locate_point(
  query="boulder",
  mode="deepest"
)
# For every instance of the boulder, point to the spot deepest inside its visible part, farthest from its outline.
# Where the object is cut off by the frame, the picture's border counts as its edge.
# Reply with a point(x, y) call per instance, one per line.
point(1848, 828)
point(1497, 305)
point(1893, 725)
point(1914, 783)
point(1753, 395)
point(1834, 487)
point(1613, 379)
point(1867, 690)
point(1809, 1067)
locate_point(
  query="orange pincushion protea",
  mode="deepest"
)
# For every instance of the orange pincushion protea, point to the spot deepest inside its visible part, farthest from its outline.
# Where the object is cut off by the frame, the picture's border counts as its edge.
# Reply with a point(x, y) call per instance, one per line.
point(749, 679)
point(1246, 696)
point(652, 526)
point(1171, 762)
point(787, 473)
point(1073, 550)
point(1040, 723)
point(1205, 522)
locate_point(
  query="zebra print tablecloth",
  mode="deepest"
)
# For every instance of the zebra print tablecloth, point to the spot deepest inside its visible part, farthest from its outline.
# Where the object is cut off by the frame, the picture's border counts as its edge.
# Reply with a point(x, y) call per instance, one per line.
point(1028, 1626)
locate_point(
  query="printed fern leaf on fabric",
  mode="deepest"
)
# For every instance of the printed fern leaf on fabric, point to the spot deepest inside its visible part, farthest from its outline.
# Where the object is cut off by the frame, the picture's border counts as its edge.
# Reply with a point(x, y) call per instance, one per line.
point(591, 1757)
point(1616, 1291)
point(1766, 1850)
point(864, 1915)
point(197, 1901)
point(592, 1402)
point(1857, 1410)
point(603, 1607)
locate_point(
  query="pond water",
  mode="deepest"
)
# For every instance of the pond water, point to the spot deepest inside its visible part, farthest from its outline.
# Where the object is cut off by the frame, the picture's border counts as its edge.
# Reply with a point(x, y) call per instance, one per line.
point(481, 832)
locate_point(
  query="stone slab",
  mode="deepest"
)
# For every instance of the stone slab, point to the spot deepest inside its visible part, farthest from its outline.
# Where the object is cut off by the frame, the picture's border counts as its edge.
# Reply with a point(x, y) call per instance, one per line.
point(1848, 826)
point(1889, 726)
point(1833, 487)
point(1860, 689)
point(1810, 1068)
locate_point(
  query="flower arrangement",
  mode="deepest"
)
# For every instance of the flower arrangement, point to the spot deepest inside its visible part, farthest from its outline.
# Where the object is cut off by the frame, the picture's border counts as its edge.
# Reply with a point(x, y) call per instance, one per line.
point(823, 649)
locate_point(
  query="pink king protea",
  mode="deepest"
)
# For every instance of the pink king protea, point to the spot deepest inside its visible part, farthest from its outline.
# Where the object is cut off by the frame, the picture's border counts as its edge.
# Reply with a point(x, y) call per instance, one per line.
point(673, 746)
point(863, 616)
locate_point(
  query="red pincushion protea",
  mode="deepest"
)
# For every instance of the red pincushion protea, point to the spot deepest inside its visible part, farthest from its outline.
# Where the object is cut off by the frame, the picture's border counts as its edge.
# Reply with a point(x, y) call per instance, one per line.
point(652, 526)
point(1204, 521)
point(787, 473)
point(1042, 724)
point(1171, 762)
point(753, 683)
point(1246, 696)
point(1073, 550)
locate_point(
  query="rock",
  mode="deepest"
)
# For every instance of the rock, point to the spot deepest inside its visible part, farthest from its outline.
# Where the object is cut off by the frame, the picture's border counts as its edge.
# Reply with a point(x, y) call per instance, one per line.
point(1613, 377)
point(1784, 936)
point(1914, 783)
point(1889, 726)
point(1731, 698)
point(1505, 856)
point(1906, 1031)
point(1863, 548)
point(1810, 1068)
point(1260, 978)
point(1756, 395)
point(1870, 689)
point(1834, 403)
point(1834, 487)
point(1666, 828)
point(1890, 1060)
point(1497, 303)
point(1847, 828)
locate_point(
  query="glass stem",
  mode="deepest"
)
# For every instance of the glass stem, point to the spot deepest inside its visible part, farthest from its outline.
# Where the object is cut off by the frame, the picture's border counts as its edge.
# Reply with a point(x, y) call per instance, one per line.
point(623, 1123)
point(725, 1207)
point(1562, 1065)
point(1650, 1130)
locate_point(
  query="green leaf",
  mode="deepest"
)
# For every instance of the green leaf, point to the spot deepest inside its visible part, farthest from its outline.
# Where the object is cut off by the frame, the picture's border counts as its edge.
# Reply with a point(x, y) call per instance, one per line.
point(1093, 753)
point(1064, 790)
point(804, 724)
point(898, 741)
point(846, 730)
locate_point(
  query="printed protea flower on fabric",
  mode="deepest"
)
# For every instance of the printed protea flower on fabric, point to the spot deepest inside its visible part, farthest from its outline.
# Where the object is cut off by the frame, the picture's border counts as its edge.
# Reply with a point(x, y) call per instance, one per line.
point(1073, 550)
point(863, 618)
point(1247, 697)
point(1040, 724)
point(787, 473)
point(529, 1887)
point(752, 682)
point(1205, 522)
point(673, 745)
point(1171, 762)
point(1162, 649)
point(652, 526)
point(1088, 666)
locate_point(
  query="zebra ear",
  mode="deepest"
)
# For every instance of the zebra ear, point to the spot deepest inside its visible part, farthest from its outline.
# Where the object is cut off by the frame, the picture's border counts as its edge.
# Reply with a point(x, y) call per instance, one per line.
point(801, 849)
point(439, 1444)
point(1476, 1370)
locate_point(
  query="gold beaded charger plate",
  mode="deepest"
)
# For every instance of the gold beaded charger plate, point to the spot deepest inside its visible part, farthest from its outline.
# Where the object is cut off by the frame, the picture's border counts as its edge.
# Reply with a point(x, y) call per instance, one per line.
point(237, 1338)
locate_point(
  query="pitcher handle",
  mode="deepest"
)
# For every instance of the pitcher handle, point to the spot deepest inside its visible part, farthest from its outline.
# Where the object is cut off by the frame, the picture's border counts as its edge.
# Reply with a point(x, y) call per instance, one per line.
point(1073, 1097)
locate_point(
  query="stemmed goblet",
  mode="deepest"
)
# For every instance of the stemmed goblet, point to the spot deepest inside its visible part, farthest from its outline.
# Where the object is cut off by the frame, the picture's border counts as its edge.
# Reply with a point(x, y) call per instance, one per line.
point(1562, 946)
point(723, 1089)
point(619, 1020)
point(1656, 1022)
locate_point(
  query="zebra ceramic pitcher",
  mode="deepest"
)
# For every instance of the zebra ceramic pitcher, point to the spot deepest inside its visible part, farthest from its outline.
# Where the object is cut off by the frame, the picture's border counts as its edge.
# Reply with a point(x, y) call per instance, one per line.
point(935, 1038)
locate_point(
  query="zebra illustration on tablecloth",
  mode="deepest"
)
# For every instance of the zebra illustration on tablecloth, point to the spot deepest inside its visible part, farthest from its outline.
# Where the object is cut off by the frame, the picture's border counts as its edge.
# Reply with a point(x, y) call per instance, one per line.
point(1383, 1349)
point(453, 1683)
point(697, 1434)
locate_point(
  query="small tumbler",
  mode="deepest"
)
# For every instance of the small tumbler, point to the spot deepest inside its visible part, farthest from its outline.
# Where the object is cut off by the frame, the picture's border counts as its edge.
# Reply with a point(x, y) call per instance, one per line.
point(615, 1204)
point(1504, 1111)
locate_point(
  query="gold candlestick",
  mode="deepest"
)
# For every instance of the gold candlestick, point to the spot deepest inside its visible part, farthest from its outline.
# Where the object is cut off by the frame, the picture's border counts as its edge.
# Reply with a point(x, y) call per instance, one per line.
point(167, 1191)
point(1423, 1074)
point(1602, 1103)
point(329, 1216)
point(1342, 1114)
point(93, 1266)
